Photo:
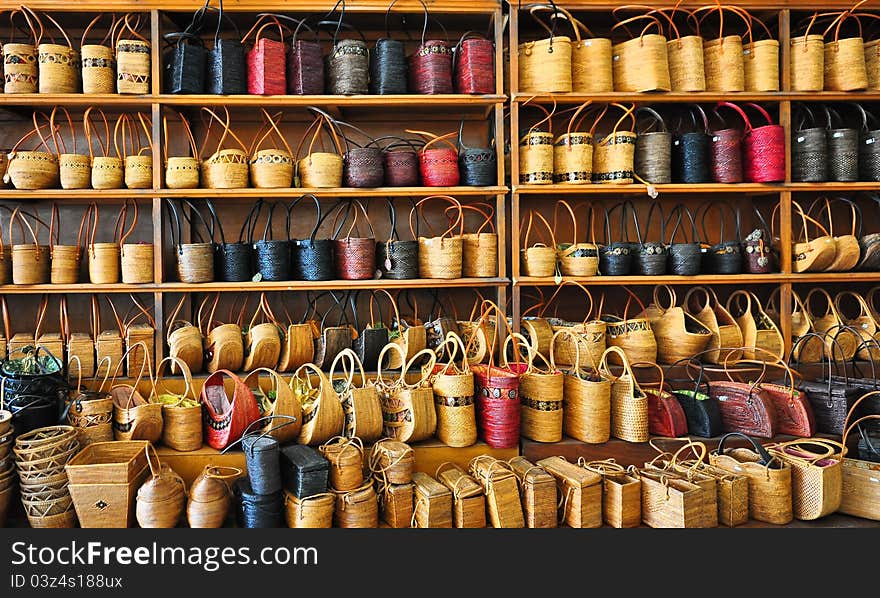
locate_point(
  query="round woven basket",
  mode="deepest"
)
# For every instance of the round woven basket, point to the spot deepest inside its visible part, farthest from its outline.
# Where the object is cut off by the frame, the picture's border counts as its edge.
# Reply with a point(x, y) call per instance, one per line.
point(210, 497)
point(641, 64)
point(181, 412)
point(358, 508)
point(440, 256)
point(34, 169)
point(536, 153)
point(74, 169)
point(58, 64)
point(573, 153)
point(614, 154)
point(538, 259)
point(685, 57)
point(139, 172)
point(844, 65)
point(320, 169)
point(313, 512)
point(578, 258)
point(30, 262)
point(545, 65)
point(132, 57)
point(392, 461)
point(590, 60)
point(652, 160)
point(225, 168)
point(98, 62)
point(346, 457)
point(20, 59)
point(103, 258)
point(479, 250)
point(271, 168)
point(181, 172)
point(108, 171)
point(65, 258)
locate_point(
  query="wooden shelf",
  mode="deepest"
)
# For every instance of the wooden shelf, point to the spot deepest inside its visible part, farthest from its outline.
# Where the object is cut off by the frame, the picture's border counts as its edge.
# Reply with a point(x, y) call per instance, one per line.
point(834, 277)
point(639, 189)
point(377, 101)
point(189, 6)
point(334, 192)
point(567, 99)
point(104, 100)
point(74, 194)
point(29, 289)
point(703, 279)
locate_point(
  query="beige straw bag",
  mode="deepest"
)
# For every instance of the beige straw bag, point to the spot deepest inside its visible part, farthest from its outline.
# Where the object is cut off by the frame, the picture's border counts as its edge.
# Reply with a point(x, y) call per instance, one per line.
point(588, 335)
point(678, 334)
point(453, 389)
point(536, 328)
point(225, 168)
point(538, 260)
point(758, 330)
point(859, 496)
point(5, 260)
point(104, 258)
point(685, 55)
point(586, 395)
point(322, 415)
point(640, 63)
point(319, 169)
point(20, 59)
point(75, 170)
point(136, 259)
point(540, 391)
point(669, 501)
point(816, 476)
point(580, 492)
point(614, 154)
point(224, 344)
point(107, 171)
point(621, 492)
point(91, 410)
point(58, 63)
point(840, 343)
point(346, 457)
point(181, 172)
point(538, 491)
point(479, 250)
point(629, 405)
point(469, 501)
point(271, 168)
point(573, 152)
point(723, 56)
point(65, 259)
point(31, 262)
point(141, 333)
point(98, 61)
point(134, 417)
point(545, 65)
point(408, 408)
point(591, 70)
point(109, 345)
point(807, 255)
point(634, 335)
point(770, 498)
point(536, 151)
point(138, 165)
point(807, 64)
point(360, 401)
point(262, 342)
point(181, 411)
point(33, 169)
point(577, 258)
point(761, 60)
point(864, 324)
point(440, 256)
point(184, 340)
point(726, 336)
point(501, 486)
point(844, 59)
point(132, 57)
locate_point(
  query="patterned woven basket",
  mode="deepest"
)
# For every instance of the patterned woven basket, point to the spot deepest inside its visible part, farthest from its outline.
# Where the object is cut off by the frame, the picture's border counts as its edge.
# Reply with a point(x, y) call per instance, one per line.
point(33, 169)
point(536, 153)
point(181, 172)
point(98, 61)
point(226, 168)
point(271, 168)
point(479, 249)
point(844, 59)
point(30, 261)
point(20, 59)
point(573, 152)
point(614, 154)
point(132, 56)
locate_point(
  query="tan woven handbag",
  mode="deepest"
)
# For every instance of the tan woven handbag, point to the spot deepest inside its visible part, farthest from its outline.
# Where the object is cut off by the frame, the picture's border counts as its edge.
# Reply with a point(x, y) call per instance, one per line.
point(74, 169)
point(863, 323)
point(816, 475)
point(840, 342)
point(223, 345)
point(184, 340)
point(538, 260)
point(20, 58)
point(540, 392)
point(586, 395)
point(634, 335)
point(408, 408)
point(133, 66)
point(453, 388)
point(80, 345)
point(440, 256)
point(545, 65)
point(536, 153)
point(725, 333)
point(319, 169)
point(844, 59)
point(807, 62)
point(678, 334)
point(276, 402)
point(225, 168)
point(629, 405)
point(65, 259)
point(621, 492)
point(614, 154)
point(573, 151)
point(262, 343)
point(810, 254)
point(108, 170)
point(723, 56)
point(138, 164)
point(577, 258)
point(591, 69)
point(580, 491)
point(138, 328)
point(479, 249)
point(859, 495)
point(270, 168)
point(684, 55)
point(135, 259)
point(588, 336)
point(181, 172)
point(33, 169)
point(758, 329)
point(640, 63)
point(847, 250)
point(669, 501)
point(360, 399)
point(134, 417)
point(98, 68)
point(322, 415)
point(469, 501)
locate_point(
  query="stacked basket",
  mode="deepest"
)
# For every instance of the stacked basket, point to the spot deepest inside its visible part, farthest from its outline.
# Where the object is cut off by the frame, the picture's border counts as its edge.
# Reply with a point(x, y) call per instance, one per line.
point(40, 457)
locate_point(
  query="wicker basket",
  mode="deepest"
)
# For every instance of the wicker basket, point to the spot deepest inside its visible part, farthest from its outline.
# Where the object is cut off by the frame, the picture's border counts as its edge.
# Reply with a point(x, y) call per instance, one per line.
point(20, 59)
point(407, 408)
point(641, 63)
point(98, 61)
point(479, 250)
point(502, 491)
point(614, 154)
point(271, 168)
point(538, 259)
point(108, 171)
point(181, 172)
point(586, 399)
point(132, 57)
point(545, 65)
point(536, 152)
point(580, 492)
point(58, 64)
point(621, 493)
point(138, 167)
point(685, 58)
point(723, 56)
point(319, 169)
point(453, 389)
point(74, 169)
point(725, 334)
point(33, 169)
point(629, 405)
point(468, 499)
point(210, 497)
point(181, 412)
point(844, 59)
point(323, 417)
point(30, 262)
point(539, 493)
point(346, 457)
point(816, 477)
point(314, 511)
point(441, 256)
point(358, 508)
point(678, 334)
point(226, 168)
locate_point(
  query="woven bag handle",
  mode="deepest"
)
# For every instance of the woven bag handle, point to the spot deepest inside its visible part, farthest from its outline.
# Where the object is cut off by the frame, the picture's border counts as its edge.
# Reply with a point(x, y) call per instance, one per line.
point(94, 22)
point(263, 21)
point(55, 129)
point(351, 364)
point(24, 11)
point(194, 152)
point(761, 110)
point(801, 455)
point(272, 128)
point(766, 459)
point(829, 304)
point(721, 8)
point(746, 121)
point(840, 20)
point(459, 221)
point(127, 27)
point(655, 117)
point(476, 208)
point(226, 131)
point(576, 25)
point(185, 372)
point(655, 22)
point(58, 27)
point(145, 365)
point(22, 223)
point(87, 128)
point(559, 288)
point(677, 211)
point(628, 113)
point(520, 341)
point(547, 226)
point(864, 309)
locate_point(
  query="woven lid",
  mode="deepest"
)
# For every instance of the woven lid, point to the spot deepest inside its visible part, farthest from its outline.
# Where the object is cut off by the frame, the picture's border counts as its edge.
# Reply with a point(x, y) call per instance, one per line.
point(458, 481)
point(258, 443)
point(569, 472)
point(529, 473)
point(303, 458)
point(427, 486)
point(244, 492)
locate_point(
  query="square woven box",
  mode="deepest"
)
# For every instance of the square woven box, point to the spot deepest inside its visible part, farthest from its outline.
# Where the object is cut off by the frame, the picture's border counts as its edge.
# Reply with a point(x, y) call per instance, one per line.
point(304, 471)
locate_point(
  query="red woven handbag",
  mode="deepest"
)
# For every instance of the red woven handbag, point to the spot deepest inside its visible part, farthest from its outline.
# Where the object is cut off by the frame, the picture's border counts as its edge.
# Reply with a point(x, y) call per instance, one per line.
point(665, 415)
point(763, 148)
point(267, 59)
point(497, 389)
point(438, 165)
point(473, 64)
point(355, 257)
point(745, 407)
point(430, 67)
point(726, 153)
point(226, 419)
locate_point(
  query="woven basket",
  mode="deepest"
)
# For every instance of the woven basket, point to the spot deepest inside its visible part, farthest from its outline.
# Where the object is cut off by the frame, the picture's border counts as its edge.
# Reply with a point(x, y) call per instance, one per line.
point(614, 154)
point(536, 152)
point(65, 258)
point(30, 262)
point(98, 62)
point(538, 259)
point(479, 250)
point(641, 63)
point(132, 58)
point(441, 256)
point(653, 152)
point(573, 153)
point(578, 258)
point(20, 59)
point(591, 67)
point(210, 497)
point(323, 417)
point(33, 169)
point(469, 502)
point(580, 492)
point(181, 412)
point(621, 493)
point(816, 477)
point(392, 461)
point(319, 169)
point(360, 403)
point(633, 335)
point(726, 337)
point(181, 172)
point(453, 389)
point(346, 457)
point(586, 398)
point(723, 56)
point(138, 168)
point(74, 169)
point(358, 508)
point(844, 59)
point(267, 59)
point(540, 394)
point(225, 168)
point(679, 335)
point(685, 58)
point(545, 65)
point(407, 408)
point(311, 512)
point(58, 64)
point(501, 486)
point(134, 418)
point(438, 166)
point(271, 168)
point(629, 405)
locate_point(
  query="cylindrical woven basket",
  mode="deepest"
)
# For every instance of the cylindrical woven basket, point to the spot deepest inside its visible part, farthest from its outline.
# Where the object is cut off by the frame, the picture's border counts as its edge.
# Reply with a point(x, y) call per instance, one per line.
point(348, 67)
point(98, 62)
point(807, 55)
point(573, 153)
point(545, 65)
point(473, 65)
point(586, 397)
point(181, 172)
point(614, 154)
point(401, 164)
point(538, 259)
point(430, 66)
point(31, 263)
point(34, 169)
point(392, 461)
point(809, 150)
point(358, 508)
point(225, 168)
point(685, 58)
point(20, 59)
point(536, 153)
point(441, 256)
point(132, 58)
point(108, 171)
point(346, 457)
point(312, 512)
point(843, 151)
point(844, 59)
point(454, 398)
point(641, 63)
point(320, 169)
point(270, 168)
point(479, 250)
point(652, 160)
point(65, 259)
point(58, 64)
point(396, 259)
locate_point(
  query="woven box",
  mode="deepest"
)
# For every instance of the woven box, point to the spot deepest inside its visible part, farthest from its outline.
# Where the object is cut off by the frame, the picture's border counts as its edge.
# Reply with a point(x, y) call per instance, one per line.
point(304, 471)
point(539, 494)
point(103, 480)
point(468, 499)
point(433, 502)
point(502, 492)
point(580, 492)
point(397, 505)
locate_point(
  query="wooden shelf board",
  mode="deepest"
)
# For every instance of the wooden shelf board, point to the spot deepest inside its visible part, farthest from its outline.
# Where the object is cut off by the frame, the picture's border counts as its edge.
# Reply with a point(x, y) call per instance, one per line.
point(831, 187)
point(535, 281)
point(379, 101)
point(639, 189)
point(565, 99)
point(333, 192)
point(321, 6)
point(74, 194)
point(301, 285)
point(834, 277)
point(27, 289)
point(27, 100)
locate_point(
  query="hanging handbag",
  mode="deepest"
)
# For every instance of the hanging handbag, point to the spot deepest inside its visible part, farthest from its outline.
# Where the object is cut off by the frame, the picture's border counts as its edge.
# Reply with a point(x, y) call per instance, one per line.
point(685, 259)
point(398, 259)
point(587, 336)
point(224, 344)
point(266, 59)
point(297, 342)
point(372, 338)
point(745, 407)
point(195, 261)
point(361, 407)
point(653, 153)
point(137, 166)
point(234, 262)
point(545, 65)
point(226, 418)
point(276, 401)
point(226, 64)
point(407, 408)
point(354, 256)
point(591, 68)
point(333, 339)
point(312, 258)
point(98, 60)
point(616, 257)
point(761, 59)
point(702, 411)
point(770, 498)
point(30, 261)
point(430, 67)
point(724, 257)
point(453, 389)
point(691, 151)
point(226, 168)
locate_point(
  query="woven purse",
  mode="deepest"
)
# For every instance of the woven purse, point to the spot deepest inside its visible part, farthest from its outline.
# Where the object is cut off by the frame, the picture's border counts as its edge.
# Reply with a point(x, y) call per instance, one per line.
point(226, 64)
point(354, 256)
point(98, 60)
point(640, 63)
point(271, 167)
point(225, 168)
point(20, 58)
point(653, 153)
point(266, 59)
point(319, 169)
point(312, 258)
point(545, 65)
point(430, 66)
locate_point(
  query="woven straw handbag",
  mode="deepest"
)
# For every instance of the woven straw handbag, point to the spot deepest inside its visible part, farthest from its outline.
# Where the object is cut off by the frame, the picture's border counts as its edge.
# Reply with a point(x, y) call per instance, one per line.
point(108, 343)
point(33, 169)
point(138, 165)
point(545, 65)
point(863, 322)
point(276, 401)
point(133, 52)
point(586, 395)
point(629, 404)
point(440, 256)
point(653, 153)
point(184, 340)
point(181, 172)
point(614, 154)
point(539, 259)
point(408, 408)
point(108, 171)
point(684, 54)
point(499, 482)
point(632, 334)
point(809, 254)
point(181, 411)
point(66, 259)
point(859, 487)
point(79, 345)
point(194, 260)
point(577, 258)
point(807, 58)
point(298, 342)
point(573, 151)
point(640, 63)
point(323, 417)
point(761, 59)
point(30, 261)
point(723, 56)
point(840, 342)
point(271, 168)
point(847, 248)
point(74, 169)
point(223, 343)
point(438, 166)
point(621, 492)
point(588, 335)
point(816, 475)
point(262, 345)
point(541, 393)
point(591, 68)
point(678, 334)
point(138, 328)
point(479, 249)
point(91, 408)
point(668, 465)
point(757, 328)
point(770, 478)
point(266, 59)
point(360, 398)
point(20, 58)
point(844, 64)
point(226, 168)
point(134, 417)
point(103, 257)
point(536, 152)
point(319, 169)
point(725, 333)
point(98, 60)
point(136, 259)
point(453, 388)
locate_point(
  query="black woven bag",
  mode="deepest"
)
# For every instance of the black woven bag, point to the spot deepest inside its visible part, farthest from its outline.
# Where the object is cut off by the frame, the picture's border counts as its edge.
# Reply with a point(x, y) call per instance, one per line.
point(304, 470)
point(226, 64)
point(234, 262)
point(257, 511)
point(692, 151)
point(809, 149)
point(651, 256)
point(653, 155)
point(757, 248)
point(724, 257)
point(869, 148)
point(477, 166)
point(701, 410)
point(312, 258)
point(397, 259)
point(185, 63)
point(372, 337)
point(685, 259)
point(348, 64)
point(388, 64)
point(616, 258)
point(843, 149)
point(272, 256)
